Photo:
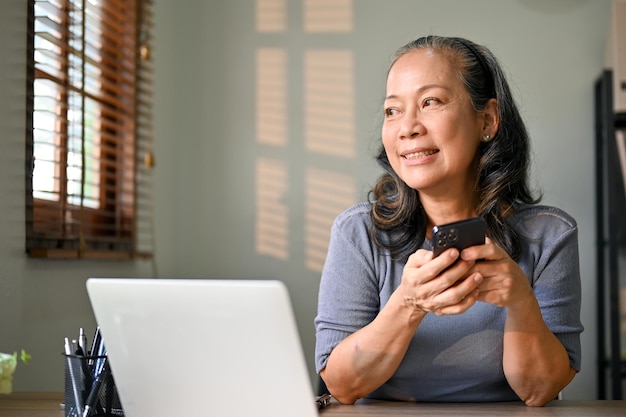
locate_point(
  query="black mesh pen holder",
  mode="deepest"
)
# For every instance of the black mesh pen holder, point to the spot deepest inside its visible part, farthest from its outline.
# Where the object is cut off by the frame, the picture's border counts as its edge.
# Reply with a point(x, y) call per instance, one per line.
point(89, 388)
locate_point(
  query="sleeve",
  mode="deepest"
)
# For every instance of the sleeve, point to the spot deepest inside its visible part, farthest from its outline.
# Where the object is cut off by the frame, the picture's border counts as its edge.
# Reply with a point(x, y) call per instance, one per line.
point(348, 297)
point(557, 286)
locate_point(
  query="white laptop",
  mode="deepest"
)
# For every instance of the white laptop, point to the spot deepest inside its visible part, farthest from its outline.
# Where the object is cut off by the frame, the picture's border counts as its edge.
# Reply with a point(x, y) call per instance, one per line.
point(203, 347)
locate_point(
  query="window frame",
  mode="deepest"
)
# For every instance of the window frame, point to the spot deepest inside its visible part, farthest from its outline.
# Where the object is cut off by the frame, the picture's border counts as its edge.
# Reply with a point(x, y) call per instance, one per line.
point(64, 228)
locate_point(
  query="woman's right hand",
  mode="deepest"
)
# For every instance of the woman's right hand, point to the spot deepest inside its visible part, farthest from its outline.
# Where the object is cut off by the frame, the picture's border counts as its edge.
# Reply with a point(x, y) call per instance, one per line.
point(442, 285)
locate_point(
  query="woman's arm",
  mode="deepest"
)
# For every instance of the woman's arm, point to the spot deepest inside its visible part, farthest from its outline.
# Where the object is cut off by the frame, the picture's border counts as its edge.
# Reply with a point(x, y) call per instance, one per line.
point(535, 362)
point(367, 358)
point(363, 361)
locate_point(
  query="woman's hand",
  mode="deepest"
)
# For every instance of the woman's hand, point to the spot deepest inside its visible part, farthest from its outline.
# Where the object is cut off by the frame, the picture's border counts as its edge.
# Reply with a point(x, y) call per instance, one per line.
point(504, 283)
point(441, 285)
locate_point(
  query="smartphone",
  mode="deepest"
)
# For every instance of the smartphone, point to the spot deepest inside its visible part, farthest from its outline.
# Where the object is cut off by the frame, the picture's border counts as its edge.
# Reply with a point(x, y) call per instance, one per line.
point(460, 235)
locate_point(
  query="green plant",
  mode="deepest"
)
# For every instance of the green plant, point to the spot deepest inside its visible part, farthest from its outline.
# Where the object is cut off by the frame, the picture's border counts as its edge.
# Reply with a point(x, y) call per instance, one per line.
point(8, 363)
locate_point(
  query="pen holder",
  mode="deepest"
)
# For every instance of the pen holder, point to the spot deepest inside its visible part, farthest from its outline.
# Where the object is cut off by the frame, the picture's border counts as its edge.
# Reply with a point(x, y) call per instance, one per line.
point(89, 387)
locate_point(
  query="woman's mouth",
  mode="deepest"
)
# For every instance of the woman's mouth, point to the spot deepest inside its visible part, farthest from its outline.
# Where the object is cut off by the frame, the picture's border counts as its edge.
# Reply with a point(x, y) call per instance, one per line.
point(420, 154)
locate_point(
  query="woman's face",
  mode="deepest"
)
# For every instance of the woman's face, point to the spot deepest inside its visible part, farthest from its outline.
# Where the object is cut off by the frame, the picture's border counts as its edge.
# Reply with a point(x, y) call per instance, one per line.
point(431, 132)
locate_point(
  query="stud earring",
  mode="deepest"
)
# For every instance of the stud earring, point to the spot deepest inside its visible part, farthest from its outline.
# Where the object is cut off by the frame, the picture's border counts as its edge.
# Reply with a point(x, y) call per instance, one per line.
point(485, 138)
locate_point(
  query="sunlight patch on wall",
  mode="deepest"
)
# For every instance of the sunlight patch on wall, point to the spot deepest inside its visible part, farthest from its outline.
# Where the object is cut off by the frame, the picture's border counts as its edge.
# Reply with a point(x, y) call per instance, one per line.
point(327, 194)
point(329, 102)
point(324, 121)
point(271, 96)
point(272, 212)
point(271, 16)
point(324, 16)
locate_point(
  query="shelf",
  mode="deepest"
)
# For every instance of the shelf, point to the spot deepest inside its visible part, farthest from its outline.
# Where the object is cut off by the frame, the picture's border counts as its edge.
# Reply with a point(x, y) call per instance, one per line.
point(610, 240)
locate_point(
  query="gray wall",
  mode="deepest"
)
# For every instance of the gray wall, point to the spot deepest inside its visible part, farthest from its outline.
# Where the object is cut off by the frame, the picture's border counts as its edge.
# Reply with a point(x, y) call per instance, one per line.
point(205, 147)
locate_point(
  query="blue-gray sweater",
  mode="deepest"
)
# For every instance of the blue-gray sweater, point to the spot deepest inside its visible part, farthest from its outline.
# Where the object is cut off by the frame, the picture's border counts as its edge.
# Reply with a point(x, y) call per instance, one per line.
point(454, 358)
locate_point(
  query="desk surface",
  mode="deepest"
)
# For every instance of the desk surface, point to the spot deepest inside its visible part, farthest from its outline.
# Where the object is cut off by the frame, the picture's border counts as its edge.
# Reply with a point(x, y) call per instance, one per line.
point(31, 404)
point(565, 408)
point(37, 404)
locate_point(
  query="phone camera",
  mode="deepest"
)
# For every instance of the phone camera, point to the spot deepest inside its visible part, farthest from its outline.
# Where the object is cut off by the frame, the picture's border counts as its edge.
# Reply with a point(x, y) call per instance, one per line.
point(441, 239)
point(452, 236)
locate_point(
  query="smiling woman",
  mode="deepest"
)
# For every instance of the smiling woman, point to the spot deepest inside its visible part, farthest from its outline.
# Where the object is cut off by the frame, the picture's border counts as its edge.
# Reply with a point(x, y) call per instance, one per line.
point(497, 321)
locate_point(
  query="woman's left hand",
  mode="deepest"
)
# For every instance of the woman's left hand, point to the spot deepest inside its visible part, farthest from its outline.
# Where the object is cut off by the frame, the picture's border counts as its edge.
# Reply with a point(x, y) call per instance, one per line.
point(504, 283)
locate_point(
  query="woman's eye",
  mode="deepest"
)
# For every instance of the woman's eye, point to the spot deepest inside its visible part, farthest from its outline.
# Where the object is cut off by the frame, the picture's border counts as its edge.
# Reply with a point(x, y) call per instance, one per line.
point(391, 112)
point(429, 102)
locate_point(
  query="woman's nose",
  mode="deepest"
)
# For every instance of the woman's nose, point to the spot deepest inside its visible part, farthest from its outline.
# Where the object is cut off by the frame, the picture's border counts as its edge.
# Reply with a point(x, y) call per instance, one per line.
point(410, 127)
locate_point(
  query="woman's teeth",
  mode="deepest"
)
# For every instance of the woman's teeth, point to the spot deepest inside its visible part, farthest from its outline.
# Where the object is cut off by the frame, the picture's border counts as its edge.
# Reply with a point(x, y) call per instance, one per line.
point(419, 154)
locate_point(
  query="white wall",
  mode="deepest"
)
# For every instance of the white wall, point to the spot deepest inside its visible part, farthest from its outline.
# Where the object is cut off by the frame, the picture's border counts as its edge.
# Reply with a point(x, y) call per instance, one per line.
point(205, 147)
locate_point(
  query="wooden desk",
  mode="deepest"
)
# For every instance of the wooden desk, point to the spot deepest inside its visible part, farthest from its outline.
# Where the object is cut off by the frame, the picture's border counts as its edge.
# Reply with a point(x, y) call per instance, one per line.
point(565, 408)
point(37, 404)
point(31, 404)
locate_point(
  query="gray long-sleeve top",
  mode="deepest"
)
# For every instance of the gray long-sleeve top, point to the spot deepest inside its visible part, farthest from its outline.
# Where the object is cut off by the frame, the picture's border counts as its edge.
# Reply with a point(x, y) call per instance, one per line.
point(455, 358)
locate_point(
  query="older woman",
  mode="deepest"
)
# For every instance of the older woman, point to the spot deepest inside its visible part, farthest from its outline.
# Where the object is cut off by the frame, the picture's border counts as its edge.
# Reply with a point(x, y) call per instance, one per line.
point(498, 321)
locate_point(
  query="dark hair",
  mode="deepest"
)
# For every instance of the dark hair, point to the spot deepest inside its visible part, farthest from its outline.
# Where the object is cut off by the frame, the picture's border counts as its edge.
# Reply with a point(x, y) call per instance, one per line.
point(503, 162)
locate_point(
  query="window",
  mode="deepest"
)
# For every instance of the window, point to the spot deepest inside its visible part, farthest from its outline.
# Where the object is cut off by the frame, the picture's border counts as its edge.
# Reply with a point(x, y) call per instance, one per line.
point(89, 136)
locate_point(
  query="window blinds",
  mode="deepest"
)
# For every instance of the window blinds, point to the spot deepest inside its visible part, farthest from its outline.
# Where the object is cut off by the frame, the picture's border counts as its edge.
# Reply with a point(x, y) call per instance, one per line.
point(89, 145)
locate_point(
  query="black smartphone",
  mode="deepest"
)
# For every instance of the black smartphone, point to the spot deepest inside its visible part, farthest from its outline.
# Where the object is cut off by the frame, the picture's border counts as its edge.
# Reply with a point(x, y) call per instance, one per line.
point(460, 235)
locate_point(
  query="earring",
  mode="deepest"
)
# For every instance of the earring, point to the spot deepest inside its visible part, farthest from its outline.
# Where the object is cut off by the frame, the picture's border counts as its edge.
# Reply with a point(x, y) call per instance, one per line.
point(486, 138)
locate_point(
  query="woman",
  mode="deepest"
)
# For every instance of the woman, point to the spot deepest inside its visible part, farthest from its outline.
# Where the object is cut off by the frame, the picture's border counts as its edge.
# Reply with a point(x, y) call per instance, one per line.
point(495, 322)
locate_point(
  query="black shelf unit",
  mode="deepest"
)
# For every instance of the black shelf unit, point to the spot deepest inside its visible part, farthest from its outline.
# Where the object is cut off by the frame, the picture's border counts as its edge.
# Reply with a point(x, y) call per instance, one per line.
point(611, 239)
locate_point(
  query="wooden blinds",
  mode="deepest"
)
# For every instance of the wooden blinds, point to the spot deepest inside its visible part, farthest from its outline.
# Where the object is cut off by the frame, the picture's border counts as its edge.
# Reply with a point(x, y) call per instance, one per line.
point(88, 190)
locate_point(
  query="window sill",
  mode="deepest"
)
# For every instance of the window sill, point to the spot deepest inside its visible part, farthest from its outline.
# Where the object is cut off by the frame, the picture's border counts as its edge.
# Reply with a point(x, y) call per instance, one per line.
point(45, 253)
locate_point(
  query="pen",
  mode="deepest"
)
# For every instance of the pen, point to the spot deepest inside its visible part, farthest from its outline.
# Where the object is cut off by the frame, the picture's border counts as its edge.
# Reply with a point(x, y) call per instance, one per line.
point(97, 338)
point(95, 346)
point(78, 351)
point(78, 401)
point(94, 393)
point(82, 341)
point(99, 360)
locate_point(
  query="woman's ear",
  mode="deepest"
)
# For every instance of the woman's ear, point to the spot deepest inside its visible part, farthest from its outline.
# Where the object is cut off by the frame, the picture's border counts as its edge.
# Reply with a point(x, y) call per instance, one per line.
point(491, 118)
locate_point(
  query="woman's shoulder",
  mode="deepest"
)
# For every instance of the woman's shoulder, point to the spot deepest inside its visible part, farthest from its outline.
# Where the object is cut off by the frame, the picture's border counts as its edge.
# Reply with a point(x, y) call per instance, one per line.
point(536, 219)
point(359, 213)
point(354, 224)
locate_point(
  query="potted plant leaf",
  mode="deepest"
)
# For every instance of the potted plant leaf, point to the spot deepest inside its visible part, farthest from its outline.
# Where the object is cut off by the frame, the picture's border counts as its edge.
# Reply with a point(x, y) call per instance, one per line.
point(8, 363)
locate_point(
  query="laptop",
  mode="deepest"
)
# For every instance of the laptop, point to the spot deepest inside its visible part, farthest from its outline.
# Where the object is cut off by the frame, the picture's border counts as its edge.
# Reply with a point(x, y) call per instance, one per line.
point(192, 347)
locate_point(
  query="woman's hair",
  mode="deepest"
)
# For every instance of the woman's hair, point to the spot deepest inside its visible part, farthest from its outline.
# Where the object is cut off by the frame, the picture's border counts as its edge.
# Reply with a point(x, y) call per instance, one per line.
point(399, 222)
